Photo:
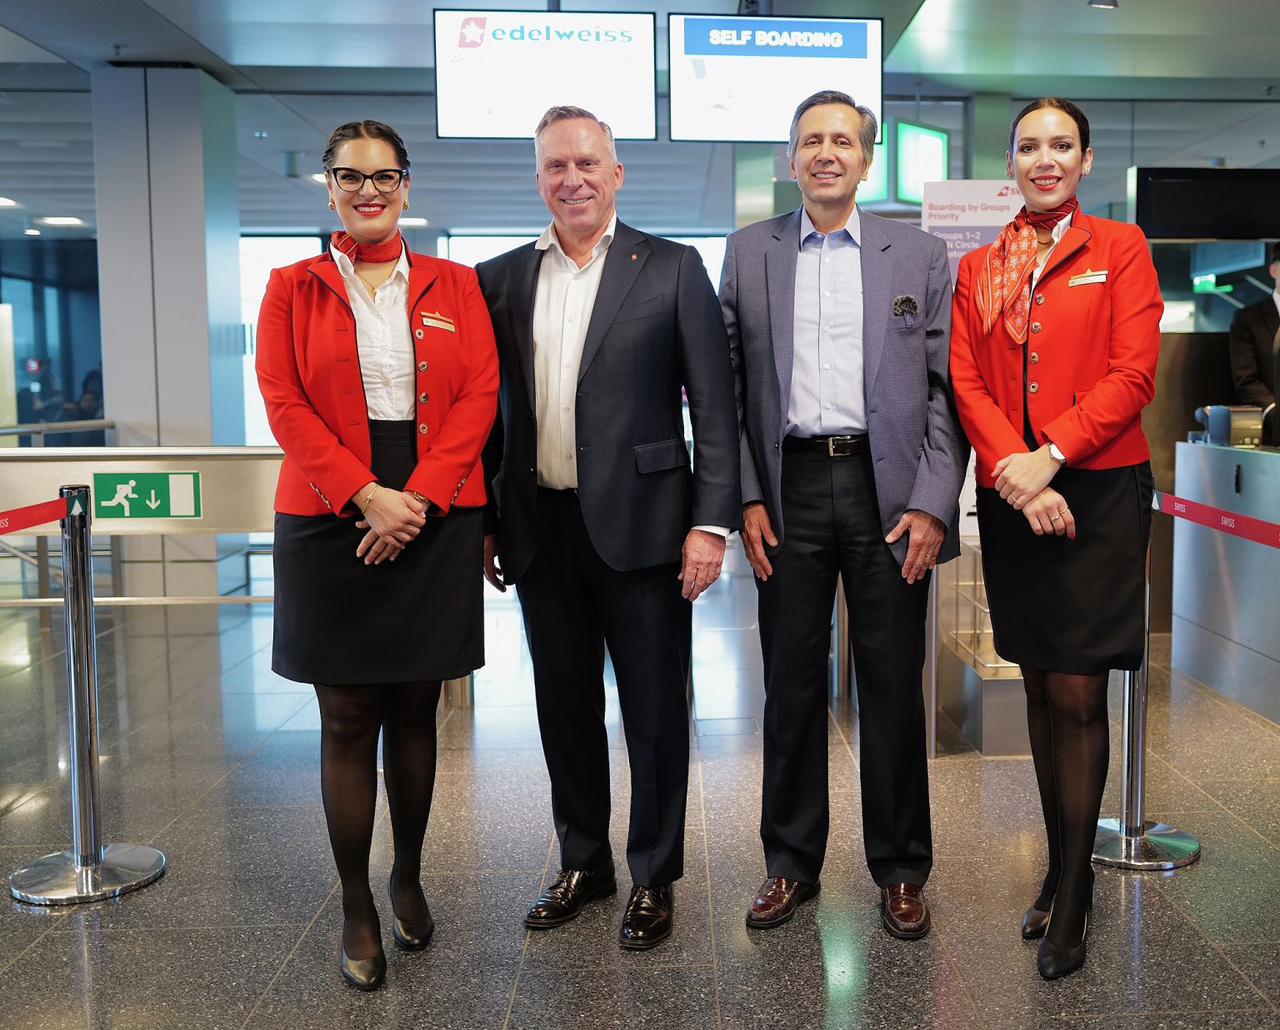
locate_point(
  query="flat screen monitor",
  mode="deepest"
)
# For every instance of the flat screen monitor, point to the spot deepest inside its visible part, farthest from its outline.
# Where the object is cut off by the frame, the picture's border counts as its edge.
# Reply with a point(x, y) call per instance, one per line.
point(1206, 203)
point(923, 155)
point(497, 72)
point(738, 79)
point(876, 189)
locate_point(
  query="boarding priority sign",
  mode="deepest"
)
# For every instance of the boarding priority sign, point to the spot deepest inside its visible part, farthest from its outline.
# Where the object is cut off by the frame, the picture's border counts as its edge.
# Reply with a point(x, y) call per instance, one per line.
point(146, 495)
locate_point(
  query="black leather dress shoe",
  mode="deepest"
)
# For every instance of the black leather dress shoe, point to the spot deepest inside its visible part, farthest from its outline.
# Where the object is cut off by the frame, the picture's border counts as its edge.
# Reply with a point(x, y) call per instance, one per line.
point(364, 974)
point(564, 899)
point(648, 919)
point(1034, 923)
point(411, 935)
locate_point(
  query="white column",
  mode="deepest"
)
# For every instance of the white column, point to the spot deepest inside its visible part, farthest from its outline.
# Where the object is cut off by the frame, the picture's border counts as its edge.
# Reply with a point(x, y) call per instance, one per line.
point(169, 269)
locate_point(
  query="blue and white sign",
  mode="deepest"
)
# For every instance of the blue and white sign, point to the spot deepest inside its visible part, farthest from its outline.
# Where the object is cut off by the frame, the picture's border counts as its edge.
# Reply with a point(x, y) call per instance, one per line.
point(739, 79)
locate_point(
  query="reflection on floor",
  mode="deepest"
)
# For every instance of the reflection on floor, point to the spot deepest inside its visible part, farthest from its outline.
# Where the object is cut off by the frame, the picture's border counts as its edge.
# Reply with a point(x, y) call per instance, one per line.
point(214, 759)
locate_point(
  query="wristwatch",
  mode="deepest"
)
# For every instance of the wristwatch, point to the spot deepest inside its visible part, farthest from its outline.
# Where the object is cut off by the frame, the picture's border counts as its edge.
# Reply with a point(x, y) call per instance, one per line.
point(1056, 454)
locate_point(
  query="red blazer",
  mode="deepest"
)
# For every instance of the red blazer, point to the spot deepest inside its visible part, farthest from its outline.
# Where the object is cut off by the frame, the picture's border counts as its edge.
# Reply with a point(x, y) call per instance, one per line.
point(309, 373)
point(1094, 339)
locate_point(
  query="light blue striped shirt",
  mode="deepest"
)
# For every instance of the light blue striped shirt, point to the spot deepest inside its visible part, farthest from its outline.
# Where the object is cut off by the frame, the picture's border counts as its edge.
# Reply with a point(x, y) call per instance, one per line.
point(827, 393)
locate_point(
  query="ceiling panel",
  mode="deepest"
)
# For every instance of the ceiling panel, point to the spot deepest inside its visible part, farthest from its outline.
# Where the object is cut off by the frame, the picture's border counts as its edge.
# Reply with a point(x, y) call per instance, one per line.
point(293, 66)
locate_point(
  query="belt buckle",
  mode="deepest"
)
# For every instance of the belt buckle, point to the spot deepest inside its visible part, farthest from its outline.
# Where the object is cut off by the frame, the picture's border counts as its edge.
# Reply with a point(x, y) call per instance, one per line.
point(833, 442)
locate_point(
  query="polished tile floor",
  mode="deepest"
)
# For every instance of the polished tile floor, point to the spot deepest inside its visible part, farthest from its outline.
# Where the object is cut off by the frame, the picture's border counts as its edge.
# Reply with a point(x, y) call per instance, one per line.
point(212, 758)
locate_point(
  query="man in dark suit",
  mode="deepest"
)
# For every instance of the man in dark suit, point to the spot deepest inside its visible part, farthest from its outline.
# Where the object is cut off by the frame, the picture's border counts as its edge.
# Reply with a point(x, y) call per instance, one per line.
point(595, 514)
point(852, 461)
point(1253, 342)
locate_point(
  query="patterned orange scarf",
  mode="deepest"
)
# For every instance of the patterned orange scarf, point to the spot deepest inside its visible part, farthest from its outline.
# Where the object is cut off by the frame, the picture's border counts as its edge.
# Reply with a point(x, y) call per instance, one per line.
point(1004, 284)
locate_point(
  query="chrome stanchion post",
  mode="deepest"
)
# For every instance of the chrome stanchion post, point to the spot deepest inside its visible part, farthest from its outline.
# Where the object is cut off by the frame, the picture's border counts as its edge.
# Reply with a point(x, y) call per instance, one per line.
point(90, 870)
point(1131, 842)
point(930, 686)
point(461, 693)
point(841, 666)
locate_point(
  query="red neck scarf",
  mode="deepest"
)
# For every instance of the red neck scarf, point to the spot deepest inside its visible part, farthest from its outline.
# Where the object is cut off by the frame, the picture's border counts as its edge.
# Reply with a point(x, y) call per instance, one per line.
point(1004, 283)
point(369, 253)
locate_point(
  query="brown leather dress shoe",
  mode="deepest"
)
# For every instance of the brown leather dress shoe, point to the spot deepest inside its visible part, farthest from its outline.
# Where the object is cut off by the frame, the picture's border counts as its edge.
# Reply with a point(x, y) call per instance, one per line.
point(648, 919)
point(564, 899)
point(903, 911)
point(777, 900)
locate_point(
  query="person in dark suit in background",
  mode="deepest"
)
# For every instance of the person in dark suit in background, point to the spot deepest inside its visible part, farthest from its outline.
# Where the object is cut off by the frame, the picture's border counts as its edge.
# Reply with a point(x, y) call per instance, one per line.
point(852, 462)
point(596, 516)
point(1253, 349)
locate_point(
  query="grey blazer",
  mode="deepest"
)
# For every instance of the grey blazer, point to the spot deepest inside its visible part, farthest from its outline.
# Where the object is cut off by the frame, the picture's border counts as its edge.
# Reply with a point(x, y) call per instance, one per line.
point(919, 451)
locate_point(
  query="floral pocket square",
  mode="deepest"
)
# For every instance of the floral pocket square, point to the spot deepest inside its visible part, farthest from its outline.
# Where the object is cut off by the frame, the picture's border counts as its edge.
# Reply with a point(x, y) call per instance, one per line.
point(906, 307)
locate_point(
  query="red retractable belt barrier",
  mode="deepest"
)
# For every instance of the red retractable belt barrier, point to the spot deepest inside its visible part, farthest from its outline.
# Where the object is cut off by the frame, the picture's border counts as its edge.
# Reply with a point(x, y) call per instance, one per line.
point(34, 515)
point(1243, 526)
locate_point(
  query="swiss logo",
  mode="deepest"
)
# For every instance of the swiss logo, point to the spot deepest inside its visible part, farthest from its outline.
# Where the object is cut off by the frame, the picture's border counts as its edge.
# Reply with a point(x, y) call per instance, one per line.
point(471, 34)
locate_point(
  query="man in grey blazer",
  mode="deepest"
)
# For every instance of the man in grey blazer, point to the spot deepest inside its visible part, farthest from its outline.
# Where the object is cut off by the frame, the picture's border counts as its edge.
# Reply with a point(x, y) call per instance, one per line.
point(852, 463)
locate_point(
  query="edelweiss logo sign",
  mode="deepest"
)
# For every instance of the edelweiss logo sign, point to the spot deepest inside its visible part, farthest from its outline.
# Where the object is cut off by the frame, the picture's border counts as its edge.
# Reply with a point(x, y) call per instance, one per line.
point(471, 34)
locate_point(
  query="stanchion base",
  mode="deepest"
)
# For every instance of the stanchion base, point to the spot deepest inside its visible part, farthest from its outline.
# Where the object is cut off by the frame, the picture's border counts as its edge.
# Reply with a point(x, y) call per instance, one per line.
point(1160, 847)
point(56, 880)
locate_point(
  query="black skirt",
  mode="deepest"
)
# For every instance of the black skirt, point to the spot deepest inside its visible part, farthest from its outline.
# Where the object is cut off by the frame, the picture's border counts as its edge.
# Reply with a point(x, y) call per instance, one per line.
point(419, 618)
point(1074, 606)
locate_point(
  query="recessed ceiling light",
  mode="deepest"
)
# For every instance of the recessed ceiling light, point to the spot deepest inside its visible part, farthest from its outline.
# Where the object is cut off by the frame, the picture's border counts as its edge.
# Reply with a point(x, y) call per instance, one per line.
point(414, 223)
point(62, 220)
point(1105, 5)
point(318, 177)
point(260, 133)
point(6, 202)
point(30, 232)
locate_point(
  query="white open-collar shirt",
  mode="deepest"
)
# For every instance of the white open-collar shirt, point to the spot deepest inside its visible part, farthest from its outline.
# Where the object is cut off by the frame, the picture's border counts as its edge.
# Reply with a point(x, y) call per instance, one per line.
point(384, 343)
point(562, 306)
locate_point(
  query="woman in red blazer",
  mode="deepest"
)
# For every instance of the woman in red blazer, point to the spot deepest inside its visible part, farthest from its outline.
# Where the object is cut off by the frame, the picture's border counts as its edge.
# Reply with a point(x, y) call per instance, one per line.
point(380, 376)
point(1055, 337)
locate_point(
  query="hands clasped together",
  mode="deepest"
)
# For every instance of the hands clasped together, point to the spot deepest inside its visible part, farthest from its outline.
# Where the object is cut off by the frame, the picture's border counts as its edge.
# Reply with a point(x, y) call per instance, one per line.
point(1023, 480)
point(393, 519)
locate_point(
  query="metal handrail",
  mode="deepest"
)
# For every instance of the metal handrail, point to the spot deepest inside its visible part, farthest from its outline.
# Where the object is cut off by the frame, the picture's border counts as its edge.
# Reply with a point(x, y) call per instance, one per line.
point(17, 552)
point(55, 428)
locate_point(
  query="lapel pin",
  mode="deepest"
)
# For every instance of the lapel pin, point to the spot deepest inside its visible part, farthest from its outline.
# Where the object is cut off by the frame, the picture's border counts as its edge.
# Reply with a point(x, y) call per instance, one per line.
point(633, 257)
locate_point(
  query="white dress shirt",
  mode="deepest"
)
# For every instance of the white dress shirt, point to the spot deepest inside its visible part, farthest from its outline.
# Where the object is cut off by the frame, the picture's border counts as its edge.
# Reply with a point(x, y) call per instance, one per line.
point(562, 308)
point(1059, 231)
point(1275, 295)
point(384, 343)
point(827, 392)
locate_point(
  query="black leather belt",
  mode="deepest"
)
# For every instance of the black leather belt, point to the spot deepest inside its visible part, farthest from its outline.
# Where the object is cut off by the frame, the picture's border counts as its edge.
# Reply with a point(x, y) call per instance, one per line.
point(830, 446)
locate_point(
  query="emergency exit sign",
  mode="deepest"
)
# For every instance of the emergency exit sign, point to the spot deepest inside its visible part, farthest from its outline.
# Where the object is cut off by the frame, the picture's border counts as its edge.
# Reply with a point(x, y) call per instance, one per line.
point(146, 495)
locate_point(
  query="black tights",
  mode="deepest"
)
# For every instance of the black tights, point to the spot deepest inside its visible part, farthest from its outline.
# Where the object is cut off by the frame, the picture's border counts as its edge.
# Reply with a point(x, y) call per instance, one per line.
point(1070, 745)
point(350, 719)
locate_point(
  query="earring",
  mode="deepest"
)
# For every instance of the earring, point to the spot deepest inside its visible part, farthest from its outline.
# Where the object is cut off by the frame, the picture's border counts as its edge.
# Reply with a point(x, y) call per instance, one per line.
point(406, 205)
point(331, 207)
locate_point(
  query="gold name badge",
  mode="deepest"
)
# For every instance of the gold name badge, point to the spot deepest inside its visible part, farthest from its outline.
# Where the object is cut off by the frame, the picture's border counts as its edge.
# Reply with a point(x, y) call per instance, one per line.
point(1087, 277)
point(435, 320)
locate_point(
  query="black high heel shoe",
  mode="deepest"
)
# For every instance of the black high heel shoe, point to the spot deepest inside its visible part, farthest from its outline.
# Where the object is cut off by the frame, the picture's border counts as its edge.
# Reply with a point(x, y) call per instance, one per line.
point(1035, 923)
point(412, 936)
point(364, 974)
point(1054, 962)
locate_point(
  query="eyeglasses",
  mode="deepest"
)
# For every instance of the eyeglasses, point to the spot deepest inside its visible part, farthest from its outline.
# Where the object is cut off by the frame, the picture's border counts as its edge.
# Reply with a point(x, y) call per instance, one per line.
point(386, 180)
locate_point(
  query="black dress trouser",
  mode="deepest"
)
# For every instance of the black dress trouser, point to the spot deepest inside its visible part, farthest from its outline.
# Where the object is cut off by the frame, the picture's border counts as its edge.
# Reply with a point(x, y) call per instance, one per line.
point(832, 527)
point(574, 605)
